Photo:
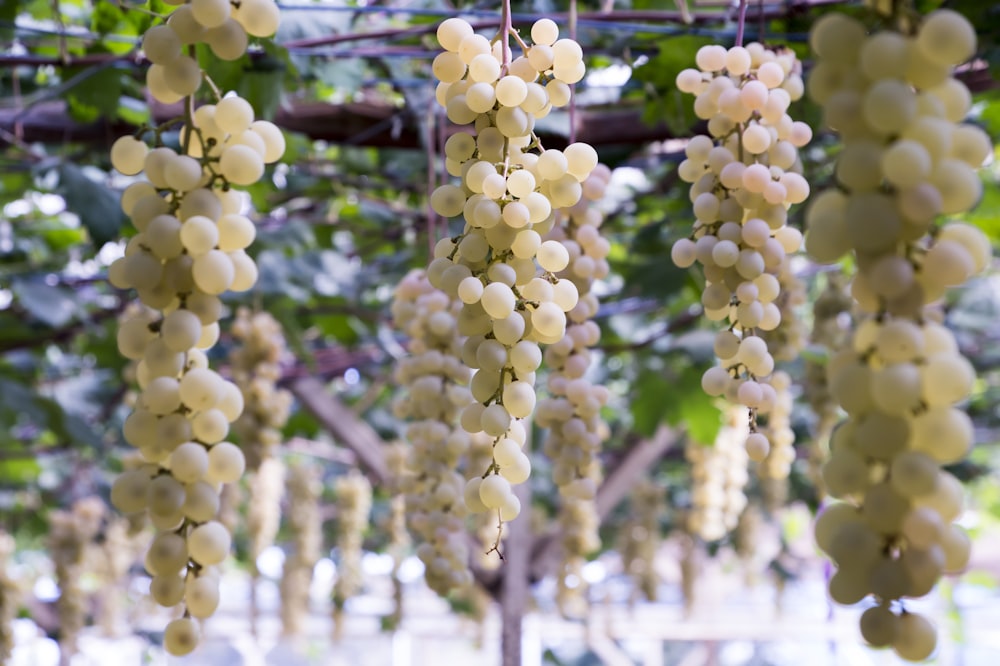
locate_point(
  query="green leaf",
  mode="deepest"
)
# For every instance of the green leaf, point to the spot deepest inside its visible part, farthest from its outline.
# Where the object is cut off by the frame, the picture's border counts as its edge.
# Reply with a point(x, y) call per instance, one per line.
point(694, 410)
point(96, 96)
point(19, 471)
point(651, 390)
point(98, 207)
point(53, 306)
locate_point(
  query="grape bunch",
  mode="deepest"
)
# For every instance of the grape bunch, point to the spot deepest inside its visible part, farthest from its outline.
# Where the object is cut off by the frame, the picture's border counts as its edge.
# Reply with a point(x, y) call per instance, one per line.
point(71, 534)
point(189, 250)
point(744, 176)
point(224, 26)
point(906, 160)
point(255, 364)
point(571, 412)
point(640, 537)
point(718, 478)
point(354, 504)
point(10, 597)
point(499, 267)
point(435, 383)
point(304, 522)
point(831, 332)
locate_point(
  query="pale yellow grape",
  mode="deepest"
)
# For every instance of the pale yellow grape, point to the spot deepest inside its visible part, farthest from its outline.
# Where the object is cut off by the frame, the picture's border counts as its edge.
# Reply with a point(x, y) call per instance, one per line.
point(518, 471)
point(957, 549)
point(916, 639)
point(244, 271)
point(210, 426)
point(259, 18)
point(855, 545)
point(495, 419)
point(199, 235)
point(210, 13)
point(167, 590)
point(180, 330)
point(274, 140)
point(498, 300)
point(129, 491)
point(682, 253)
point(448, 67)
point(470, 290)
point(162, 395)
point(156, 83)
point(184, 24)
point(884, 55)
point(241, 165)
point(830, 520)
point(946, 37)
point(133, 337)
point(162, 361)
point(213, 272)
point(161, 44)
point(888, 105)
point(182, 75)
point(493, 490)
point(228, 41)
point(946, 378)
point(181, 636)
point(972, 239)
point(233, 115)
point(163, 236)
point(548, 319)
point(883, 508)
point(511, 508)
point(209, 543)
point(948, 263)
point(511, 91)
point(452, 31)
point(128, 155)
point(200, 389)
point(906, 163)
point(506, 451)
point(201, 595)
point(471, 495)
point(558, 92)
point(448, 200)
point(944, 433)
point(565, 295)
point(231, 401)
point(525, 357)
point(958, 184)
point(167, 554)
point(473, 45)
point(553, 256)
point(201, 501)
point(226, 463)
point(189, 462)
point(484, 68)
point(913, 474)
point(208, 308)
point(846, 473)
point(848, 587)
point(544, 31)
point(519, 399)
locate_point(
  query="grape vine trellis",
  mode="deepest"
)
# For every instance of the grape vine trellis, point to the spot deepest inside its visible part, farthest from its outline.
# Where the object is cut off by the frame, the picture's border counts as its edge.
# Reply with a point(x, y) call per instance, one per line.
point(490, 265)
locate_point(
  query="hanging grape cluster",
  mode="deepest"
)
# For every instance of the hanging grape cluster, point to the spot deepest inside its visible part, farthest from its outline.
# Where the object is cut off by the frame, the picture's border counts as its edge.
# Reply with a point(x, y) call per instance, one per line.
point(571, 412)
point(190, 249)
point(10, 597)
point(255, 364)
point(71, 534)
point(435, 383)
point(304, 522)
point(510, 186)
point(831, 331)
point(354, 503)
point(718, 476)
point(906, 160)
point(640, 537)
point(744, 176)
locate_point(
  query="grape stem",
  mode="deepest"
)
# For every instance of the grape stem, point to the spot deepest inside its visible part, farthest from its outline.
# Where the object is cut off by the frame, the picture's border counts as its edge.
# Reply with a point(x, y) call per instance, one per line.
point(741, 23)
point(506, 30)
